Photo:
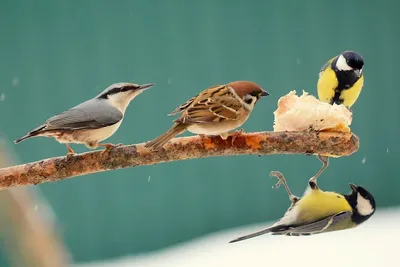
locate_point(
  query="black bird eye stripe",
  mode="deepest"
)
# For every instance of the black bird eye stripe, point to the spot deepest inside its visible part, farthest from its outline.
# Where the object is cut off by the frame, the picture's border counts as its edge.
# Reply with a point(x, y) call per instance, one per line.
point(117, 90)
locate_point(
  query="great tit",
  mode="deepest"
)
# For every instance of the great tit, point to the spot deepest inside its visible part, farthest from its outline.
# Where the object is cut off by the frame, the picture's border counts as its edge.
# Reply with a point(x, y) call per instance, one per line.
point(320, 211)
point(341, 79)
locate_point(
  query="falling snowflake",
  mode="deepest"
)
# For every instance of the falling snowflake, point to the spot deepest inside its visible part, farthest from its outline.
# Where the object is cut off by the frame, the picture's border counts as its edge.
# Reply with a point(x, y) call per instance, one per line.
point(387, 150)
point(169, 80)
point(364, 160)
point(298, 61)
point(2, 97)
point(148, 180)
point(15, 81)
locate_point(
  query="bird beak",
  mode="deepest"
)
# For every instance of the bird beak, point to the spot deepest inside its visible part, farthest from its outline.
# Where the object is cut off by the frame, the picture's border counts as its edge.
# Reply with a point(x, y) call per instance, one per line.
point(145, 86)
point(358, 72)
point(264, 93)
point(353, 187)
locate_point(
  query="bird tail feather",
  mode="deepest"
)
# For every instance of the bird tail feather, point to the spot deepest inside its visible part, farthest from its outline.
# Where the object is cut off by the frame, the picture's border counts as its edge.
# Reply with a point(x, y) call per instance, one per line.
point(165, 137)
point(265, 231)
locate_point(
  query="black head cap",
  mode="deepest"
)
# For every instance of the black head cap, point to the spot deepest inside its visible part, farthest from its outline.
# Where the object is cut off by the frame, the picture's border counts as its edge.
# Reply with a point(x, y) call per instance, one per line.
point(353, 59)
point(362, 203)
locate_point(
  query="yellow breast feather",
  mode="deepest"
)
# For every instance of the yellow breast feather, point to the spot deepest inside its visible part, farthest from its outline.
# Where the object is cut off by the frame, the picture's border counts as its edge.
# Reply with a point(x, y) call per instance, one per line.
point(321, 204)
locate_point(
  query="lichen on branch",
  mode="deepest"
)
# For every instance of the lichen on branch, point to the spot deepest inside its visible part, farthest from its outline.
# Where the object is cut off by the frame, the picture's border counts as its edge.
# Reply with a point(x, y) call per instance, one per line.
point(331, 144)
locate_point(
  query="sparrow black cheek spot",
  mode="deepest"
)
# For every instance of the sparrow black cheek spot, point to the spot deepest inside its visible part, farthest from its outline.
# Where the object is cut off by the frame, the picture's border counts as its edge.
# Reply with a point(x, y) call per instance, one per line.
point(249, 101)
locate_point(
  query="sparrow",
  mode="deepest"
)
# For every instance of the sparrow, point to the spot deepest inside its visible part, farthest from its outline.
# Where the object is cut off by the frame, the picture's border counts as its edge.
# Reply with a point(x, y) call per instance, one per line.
point(215, 111)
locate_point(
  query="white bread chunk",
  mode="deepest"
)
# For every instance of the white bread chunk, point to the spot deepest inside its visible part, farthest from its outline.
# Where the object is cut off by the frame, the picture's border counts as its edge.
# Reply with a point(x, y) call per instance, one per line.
point(299, 113)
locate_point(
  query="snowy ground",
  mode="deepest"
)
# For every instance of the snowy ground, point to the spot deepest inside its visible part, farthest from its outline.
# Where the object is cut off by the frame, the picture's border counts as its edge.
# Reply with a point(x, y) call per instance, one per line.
point(375, 243)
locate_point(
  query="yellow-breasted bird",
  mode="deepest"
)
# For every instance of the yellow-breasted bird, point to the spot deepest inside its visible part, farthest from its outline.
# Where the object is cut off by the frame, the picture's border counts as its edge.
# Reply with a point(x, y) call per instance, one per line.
point(341, 79)
point(320, 211)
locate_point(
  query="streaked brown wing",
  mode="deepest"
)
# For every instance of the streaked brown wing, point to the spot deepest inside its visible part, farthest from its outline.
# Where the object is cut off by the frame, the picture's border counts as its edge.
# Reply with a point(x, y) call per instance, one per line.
point(183, 106)
point(212, 105)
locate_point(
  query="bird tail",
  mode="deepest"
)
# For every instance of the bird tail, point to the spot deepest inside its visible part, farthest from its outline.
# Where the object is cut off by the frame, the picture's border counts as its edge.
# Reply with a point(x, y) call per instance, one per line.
point(165, 137)
point(265, 231)
point(32, 133)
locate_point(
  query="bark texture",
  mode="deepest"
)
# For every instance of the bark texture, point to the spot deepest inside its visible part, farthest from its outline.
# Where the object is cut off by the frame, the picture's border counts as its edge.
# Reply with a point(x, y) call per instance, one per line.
point(331, 144)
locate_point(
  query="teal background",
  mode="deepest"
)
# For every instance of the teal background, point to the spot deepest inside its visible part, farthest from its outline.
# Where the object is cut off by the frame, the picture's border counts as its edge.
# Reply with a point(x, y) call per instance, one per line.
point(55, 54)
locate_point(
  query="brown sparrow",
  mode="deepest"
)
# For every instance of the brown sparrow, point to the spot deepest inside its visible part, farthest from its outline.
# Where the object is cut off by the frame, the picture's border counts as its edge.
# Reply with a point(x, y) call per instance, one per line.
point(215, 111)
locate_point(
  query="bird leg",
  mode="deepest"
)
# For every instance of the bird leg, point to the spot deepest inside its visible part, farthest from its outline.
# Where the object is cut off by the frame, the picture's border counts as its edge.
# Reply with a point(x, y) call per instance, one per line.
point(325, 163)
point(70, 150)
point(224, 136)
point(235, 134)
point(108, 146)
point(282, 180)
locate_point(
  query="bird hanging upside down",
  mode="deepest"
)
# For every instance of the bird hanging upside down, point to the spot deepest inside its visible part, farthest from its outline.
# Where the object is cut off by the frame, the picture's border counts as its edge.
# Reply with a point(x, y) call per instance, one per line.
point(320, 211)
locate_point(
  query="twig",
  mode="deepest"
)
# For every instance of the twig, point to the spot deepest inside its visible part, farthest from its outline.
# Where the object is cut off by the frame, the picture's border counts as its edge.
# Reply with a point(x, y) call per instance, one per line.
point(332, 144)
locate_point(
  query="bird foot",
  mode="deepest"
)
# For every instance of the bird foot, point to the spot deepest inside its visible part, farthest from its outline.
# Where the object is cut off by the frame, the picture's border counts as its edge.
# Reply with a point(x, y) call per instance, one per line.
point(279, 176)
point(236, 133)
point(282, 181)
point(71, 152)
point(108, 147)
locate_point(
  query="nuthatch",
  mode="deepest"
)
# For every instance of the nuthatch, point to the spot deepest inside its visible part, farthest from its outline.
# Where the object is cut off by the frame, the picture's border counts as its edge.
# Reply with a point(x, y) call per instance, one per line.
point(92, 121)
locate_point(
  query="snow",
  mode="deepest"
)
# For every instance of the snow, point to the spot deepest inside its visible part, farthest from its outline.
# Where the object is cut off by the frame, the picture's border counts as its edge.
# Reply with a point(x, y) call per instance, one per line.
point(364, 160)
point(372, 244)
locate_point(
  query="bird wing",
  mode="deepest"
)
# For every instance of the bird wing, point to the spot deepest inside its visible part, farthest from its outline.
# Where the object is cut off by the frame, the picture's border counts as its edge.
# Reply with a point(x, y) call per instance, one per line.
point(313, 227)
point(305, 229)
point(325, 66)
point(327, 83)
point(88, 115)
point(212, 105)
point(182, 107)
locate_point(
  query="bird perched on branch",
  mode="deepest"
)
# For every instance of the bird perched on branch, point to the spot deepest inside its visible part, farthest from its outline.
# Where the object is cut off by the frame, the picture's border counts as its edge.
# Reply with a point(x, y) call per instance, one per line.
point(320, 211)
point(215, 111)
point(92, 121)
point(341, 79)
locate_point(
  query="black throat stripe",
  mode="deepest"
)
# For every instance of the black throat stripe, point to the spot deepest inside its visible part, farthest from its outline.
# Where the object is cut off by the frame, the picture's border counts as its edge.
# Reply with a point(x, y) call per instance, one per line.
point(346, 79)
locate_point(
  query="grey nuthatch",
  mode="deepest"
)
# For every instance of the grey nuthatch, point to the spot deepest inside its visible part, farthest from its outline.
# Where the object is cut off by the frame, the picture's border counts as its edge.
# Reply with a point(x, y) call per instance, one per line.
point(92, 121)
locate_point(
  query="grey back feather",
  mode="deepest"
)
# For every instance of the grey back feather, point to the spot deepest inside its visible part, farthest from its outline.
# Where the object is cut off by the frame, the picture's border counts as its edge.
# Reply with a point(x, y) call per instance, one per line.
point(92, 114)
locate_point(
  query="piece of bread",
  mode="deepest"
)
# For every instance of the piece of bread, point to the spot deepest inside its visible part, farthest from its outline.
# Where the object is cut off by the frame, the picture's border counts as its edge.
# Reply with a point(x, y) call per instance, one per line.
point(299, 113)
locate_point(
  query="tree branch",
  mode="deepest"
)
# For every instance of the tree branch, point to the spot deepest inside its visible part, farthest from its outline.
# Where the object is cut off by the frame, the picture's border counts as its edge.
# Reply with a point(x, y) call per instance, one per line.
point(333, 144)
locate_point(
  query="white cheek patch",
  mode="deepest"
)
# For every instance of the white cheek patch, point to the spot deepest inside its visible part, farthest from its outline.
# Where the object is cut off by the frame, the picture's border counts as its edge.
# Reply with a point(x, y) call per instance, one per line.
point(250, 97)
point(341, 64)
point(363, 207)
point(251, 105)
point(122, 100)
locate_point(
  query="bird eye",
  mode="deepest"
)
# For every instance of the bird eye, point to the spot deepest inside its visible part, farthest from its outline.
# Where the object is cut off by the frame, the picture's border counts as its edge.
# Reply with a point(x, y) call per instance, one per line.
point(248, 100)
point(255, 93)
